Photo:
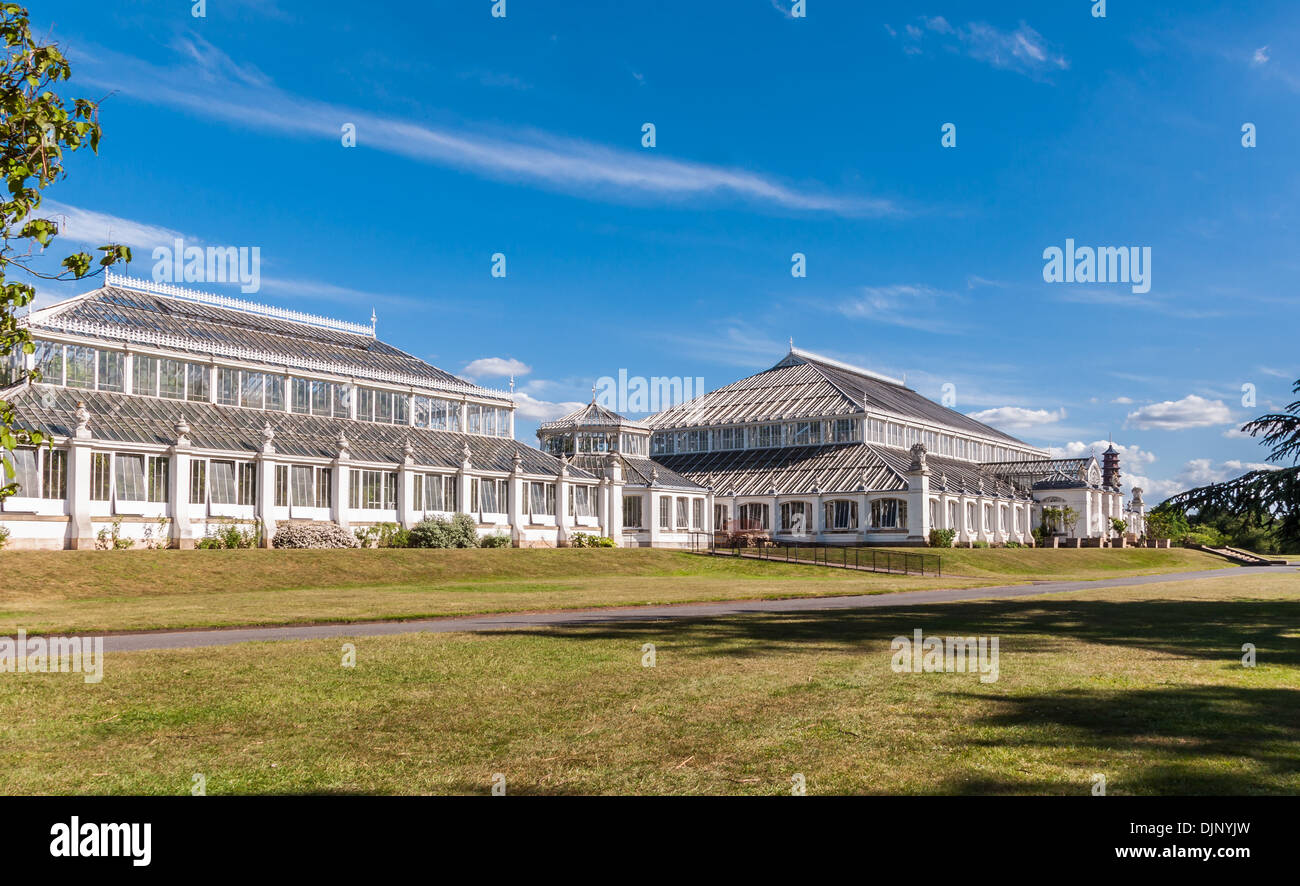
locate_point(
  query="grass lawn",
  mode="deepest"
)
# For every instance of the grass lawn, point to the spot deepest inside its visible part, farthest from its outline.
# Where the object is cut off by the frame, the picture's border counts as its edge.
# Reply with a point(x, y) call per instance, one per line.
point(86, 591)
point(1144, 685)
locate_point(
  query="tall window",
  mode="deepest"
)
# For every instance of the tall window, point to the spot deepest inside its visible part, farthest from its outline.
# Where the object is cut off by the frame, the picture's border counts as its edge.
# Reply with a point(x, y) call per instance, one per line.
point(632, 517)
point(300, 395)
point(158, 467)
point(252, 390)
point(311, 486)
point(129, 473)
point(665, 512)
point(753, 516)
point(197, 377)
point(324, 487)
point(111, 365)
point(274, 392)
point(227, 386)
point(26, 468)
point(683, 513)
point(80, 367)
point(101, 476)
point(581, 501)
point(541, 498)
point(144, 375)
point(697, 513)
point(49, 361)
point(841, 514)
point(720, 520)
point(246, 471)
point(889, 513)
point(303, 490)
point(223, 482)
point(282, 486)
point(198, 482)
point(171, 379)
point(54, 478)
point(795, 517)
point(373, 490)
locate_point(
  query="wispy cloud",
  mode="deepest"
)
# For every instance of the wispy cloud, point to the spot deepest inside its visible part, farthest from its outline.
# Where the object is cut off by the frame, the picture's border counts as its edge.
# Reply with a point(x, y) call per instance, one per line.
point(1022, 50)
point(91, 228)
point(914, 306)
point(209, 84)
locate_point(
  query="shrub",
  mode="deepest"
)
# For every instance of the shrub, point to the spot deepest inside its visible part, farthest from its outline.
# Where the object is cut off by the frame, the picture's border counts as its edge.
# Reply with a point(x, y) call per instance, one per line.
point(586, 540)
point(111, 539)
point(436, 532)
point(495, 540)
point(4, 535)
point(942, 538)
point(1039, 535)
point(229, 537)
point(313, 535)
point(980, 544)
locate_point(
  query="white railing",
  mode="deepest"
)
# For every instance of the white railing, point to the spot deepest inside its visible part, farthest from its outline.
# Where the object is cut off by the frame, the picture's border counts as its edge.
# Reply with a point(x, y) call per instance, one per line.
point(225, 301)
point(237, 352)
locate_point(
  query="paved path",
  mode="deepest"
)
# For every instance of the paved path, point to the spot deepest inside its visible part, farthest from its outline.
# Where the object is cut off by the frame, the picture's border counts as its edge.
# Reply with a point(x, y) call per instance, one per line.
point(227, 636)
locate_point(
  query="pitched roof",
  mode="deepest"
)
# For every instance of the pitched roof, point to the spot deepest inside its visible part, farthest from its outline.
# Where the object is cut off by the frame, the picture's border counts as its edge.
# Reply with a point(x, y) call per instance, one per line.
point(829, 468)
point(592, 415)
point(806, 385)
point(126, 418)
point(637, 471)
point(205, 325)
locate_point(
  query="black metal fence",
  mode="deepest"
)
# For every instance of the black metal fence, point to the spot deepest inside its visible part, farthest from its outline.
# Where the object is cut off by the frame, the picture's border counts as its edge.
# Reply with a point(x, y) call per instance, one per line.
point(814, 553)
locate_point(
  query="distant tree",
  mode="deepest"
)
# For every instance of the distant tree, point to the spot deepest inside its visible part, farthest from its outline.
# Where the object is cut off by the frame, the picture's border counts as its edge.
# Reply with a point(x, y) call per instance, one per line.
point(1261, 509)
point(1118, 526)
point(36, 127)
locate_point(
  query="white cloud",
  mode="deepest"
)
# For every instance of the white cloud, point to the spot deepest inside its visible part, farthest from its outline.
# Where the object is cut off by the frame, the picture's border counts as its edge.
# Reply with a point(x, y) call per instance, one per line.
point(1128, 455)
point(1202, 472)
point(496, 367)
point(92, 228)
point(914, 306)
point(209, 85)
point(1123, 400)
point(541, 410)
point(1261, 56)
point(1022, 50)
point(1176, 415)
point(1017, 418)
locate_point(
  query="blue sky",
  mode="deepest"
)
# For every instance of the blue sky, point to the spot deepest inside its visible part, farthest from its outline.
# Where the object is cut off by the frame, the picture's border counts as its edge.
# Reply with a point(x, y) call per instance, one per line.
point(775, 135)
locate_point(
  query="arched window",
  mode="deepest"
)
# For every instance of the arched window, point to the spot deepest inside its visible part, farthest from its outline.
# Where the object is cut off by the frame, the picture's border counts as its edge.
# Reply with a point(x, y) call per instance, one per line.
point(842, 514)
point(753, 516)
point(889, 513)
point(796, 517)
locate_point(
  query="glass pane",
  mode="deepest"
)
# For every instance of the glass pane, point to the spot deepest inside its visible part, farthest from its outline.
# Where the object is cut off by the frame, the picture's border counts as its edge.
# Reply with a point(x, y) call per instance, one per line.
point(171, 379)
point(110, 370)
point(274, 392)
point(197, 378)
point(81, 367)
point(130, 477)
point(144, 377)
point(222, 482)
point(251, 395)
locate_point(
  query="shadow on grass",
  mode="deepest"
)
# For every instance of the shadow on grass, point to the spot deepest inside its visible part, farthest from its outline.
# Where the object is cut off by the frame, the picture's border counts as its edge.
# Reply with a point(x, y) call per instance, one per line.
point(1204, 739)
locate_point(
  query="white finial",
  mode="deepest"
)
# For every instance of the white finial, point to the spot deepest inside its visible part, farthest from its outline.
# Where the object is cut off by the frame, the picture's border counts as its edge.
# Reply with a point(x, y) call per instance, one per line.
point(792, 342)
point(512, 384)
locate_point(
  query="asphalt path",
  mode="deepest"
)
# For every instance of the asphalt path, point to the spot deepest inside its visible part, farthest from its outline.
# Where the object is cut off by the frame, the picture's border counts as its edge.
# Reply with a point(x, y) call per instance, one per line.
point(134, 642)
